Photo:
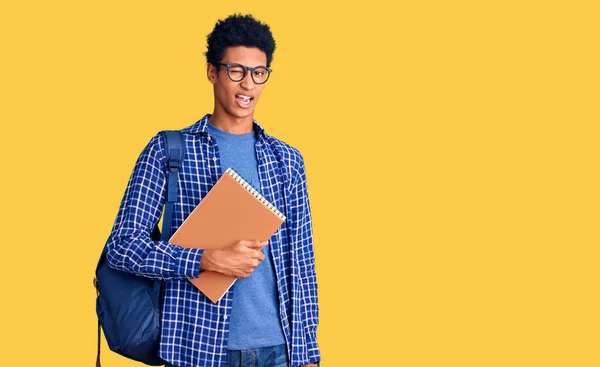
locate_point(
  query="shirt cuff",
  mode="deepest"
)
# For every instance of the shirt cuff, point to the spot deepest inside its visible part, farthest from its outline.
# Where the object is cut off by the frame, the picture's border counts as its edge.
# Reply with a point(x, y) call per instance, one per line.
point(314, 355)
point(188, 262)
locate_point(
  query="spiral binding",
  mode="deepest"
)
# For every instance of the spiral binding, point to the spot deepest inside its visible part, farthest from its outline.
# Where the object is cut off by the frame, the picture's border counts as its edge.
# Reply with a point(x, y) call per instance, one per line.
point(256, 194)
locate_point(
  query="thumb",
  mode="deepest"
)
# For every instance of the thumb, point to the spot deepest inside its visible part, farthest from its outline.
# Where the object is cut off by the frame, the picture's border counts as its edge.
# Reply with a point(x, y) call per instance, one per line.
point(257, 244)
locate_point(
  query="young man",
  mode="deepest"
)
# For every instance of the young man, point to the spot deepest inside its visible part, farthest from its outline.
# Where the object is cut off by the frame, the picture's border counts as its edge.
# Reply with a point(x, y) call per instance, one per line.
point(270, 315)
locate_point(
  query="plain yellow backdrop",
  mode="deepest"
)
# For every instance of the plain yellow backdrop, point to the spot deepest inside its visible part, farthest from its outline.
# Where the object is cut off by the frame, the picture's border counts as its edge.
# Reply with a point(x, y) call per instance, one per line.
point(451, 151)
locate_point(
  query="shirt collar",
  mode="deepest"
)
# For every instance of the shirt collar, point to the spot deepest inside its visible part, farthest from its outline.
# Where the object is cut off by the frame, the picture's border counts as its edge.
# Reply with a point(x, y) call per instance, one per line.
point(201, 127)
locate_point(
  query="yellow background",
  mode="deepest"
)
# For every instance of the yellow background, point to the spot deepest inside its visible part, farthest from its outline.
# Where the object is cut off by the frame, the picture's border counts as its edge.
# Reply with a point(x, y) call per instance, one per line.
point(451, 150)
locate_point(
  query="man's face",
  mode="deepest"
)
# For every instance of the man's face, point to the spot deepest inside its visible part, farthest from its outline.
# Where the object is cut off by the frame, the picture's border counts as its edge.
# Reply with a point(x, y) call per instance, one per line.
point(237, 99)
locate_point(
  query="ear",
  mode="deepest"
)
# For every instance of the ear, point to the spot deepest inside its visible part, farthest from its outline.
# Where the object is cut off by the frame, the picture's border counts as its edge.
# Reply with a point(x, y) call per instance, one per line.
point(211, 73)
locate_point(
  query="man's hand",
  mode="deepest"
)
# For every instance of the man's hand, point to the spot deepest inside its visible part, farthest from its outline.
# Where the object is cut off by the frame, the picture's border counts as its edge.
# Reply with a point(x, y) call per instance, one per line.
point(237, 260)
point(310, 365)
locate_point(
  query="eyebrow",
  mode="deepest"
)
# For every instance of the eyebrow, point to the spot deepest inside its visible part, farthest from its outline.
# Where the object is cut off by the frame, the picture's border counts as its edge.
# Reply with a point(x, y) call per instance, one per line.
point(239, 63)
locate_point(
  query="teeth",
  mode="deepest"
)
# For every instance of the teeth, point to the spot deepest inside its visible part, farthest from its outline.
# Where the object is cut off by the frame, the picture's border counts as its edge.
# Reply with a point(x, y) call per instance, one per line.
point(247, 98)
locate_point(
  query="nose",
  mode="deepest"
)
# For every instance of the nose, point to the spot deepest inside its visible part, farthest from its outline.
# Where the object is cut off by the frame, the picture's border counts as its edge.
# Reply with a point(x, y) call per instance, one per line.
point(247, 83)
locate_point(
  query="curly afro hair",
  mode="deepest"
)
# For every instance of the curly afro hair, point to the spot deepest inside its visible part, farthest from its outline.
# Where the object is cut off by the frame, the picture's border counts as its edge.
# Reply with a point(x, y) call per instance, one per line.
point(239, 30)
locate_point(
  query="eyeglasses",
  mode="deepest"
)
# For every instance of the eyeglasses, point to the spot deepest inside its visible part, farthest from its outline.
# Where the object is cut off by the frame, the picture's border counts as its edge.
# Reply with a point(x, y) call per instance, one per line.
point(237, 73)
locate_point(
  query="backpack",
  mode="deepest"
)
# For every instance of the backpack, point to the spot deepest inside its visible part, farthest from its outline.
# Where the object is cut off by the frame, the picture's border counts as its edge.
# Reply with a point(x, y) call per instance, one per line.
point(128, 305)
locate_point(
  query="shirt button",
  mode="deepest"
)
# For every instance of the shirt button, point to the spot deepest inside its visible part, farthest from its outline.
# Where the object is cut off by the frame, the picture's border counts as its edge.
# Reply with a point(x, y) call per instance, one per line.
point(225, 317)
point(214, 159)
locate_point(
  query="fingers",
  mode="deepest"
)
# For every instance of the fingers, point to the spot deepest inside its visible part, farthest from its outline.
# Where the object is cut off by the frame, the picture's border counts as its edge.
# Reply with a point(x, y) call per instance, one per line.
point(244, 256)
point(261, 256)
point(243, 274)
point(258, 245)
point(247, 271)
point(257, 254)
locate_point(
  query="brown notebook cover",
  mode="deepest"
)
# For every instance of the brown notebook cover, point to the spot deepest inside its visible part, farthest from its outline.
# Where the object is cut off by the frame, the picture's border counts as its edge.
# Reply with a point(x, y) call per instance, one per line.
point(231, 211)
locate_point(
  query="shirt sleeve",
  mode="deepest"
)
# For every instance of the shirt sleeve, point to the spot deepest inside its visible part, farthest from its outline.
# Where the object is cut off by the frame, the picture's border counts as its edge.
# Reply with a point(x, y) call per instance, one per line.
point(129, 246)
point(304, 246)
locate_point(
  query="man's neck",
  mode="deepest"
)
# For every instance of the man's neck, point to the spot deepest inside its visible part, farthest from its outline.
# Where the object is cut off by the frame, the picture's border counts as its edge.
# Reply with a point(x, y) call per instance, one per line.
point(232, 124)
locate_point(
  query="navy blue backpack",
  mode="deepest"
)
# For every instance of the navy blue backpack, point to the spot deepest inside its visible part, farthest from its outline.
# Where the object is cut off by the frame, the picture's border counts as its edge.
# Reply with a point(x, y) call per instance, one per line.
point(127, 305)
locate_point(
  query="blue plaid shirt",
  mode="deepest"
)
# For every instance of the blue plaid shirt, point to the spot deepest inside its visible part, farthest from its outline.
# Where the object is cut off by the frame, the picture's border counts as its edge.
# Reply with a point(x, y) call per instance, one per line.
point(195, 330)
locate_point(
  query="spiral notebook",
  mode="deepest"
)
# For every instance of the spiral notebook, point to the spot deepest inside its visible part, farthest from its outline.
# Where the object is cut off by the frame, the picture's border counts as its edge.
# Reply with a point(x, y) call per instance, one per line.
point(231, 211)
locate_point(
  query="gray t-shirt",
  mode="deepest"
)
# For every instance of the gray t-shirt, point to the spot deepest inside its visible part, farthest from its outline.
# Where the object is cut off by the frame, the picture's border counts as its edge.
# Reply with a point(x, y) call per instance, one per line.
point(255, 318)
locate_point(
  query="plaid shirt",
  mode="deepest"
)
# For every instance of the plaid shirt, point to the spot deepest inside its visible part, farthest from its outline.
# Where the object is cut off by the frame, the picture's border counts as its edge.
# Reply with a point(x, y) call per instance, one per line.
point(195, 330)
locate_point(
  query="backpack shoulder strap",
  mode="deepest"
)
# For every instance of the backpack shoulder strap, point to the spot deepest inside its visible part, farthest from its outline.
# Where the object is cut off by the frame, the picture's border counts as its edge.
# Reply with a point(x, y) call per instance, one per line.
point(175, 152)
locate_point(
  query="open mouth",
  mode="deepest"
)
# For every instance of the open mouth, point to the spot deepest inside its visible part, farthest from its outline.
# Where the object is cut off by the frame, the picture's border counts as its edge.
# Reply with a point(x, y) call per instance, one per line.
point(243, 99)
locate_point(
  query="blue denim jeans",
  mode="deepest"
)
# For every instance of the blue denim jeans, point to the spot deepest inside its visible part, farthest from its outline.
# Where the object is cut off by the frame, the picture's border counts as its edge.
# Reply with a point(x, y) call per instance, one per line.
point(259, 357)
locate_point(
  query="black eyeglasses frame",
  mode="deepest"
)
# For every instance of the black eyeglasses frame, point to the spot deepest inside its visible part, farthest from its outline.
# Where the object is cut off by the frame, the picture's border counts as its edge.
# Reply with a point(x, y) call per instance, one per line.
point(246, 69)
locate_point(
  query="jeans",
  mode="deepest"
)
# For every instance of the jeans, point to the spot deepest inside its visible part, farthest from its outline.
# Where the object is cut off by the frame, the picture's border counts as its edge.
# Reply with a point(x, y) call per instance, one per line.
point(258, 357)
